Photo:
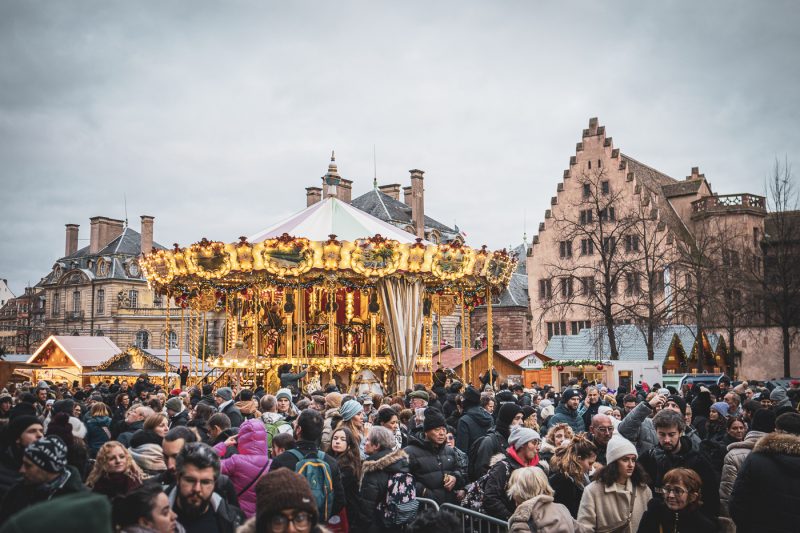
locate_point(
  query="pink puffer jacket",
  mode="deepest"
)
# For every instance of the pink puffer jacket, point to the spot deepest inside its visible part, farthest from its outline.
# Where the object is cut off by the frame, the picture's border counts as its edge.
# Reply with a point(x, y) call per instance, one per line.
point(248, 464)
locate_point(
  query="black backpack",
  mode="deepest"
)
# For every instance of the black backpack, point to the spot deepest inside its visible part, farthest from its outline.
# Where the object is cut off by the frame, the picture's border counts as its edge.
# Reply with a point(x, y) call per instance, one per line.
point(474, 469)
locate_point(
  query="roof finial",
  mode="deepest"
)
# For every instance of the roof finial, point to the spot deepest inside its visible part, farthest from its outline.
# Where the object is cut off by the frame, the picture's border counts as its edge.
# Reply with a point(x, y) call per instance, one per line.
point(333, 156)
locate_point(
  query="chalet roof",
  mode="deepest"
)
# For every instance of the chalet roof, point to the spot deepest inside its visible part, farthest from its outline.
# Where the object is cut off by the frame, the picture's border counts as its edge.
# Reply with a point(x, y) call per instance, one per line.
point(451, 357)
point(386, 208)
point(682, 188)
point(592, 343)
point(83, 351)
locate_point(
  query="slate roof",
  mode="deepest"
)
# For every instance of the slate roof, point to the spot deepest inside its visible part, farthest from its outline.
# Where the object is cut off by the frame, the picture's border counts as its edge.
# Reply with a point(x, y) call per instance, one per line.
point(386, 208)
point(592, 343)
point(516, 294)
point(682, 188)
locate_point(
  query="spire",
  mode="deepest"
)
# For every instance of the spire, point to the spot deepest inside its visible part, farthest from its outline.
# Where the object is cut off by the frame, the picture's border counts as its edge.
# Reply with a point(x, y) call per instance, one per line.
point(332, 178)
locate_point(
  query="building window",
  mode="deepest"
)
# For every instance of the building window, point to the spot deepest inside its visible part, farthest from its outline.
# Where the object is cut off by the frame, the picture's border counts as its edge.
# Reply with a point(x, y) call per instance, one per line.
point(608, 214)
point(632, 283)
point(142, 339)
point(609, 244)
point(590, 164)
point(730, 258)
point(545, 289)
point(56, 307)
point(756, 237)
point(101, 302)
point(631, 243)
point(578, 325)
point(659, 282)
point(457, 334)
point(565, 249)
point(587, 217)
point(566, 287)
point(158, 300)
point(173, 340)
point(76, 302)
point(587, 286)
point(133, 298)
point(587, 190)
point(556, 328)
point(587, 247)
point(599, 163)
point(604, 187)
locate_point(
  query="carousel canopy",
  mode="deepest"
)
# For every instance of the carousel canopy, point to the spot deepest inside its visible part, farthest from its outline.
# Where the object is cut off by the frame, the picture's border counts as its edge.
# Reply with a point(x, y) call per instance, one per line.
point(334, 217)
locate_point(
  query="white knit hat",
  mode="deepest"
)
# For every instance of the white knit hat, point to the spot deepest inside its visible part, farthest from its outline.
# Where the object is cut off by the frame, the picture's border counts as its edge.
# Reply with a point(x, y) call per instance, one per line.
point(619, 447)
point(520, 436)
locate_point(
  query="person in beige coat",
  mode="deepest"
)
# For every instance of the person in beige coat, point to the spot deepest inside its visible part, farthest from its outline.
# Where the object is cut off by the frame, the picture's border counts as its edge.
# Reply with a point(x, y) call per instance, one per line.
point(618, 496)
point(763, 423)
point(529, 490)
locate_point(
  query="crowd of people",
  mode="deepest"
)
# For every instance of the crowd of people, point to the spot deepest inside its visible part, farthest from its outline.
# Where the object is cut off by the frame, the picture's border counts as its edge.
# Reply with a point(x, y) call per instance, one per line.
point(137, 458)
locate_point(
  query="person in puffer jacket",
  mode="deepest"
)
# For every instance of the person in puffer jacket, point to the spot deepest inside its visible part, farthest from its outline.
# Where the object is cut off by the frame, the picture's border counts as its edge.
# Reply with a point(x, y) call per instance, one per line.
point(475, 421)
point(250, 462)
point(433, 463)
point(763, 424)
point(381, 463)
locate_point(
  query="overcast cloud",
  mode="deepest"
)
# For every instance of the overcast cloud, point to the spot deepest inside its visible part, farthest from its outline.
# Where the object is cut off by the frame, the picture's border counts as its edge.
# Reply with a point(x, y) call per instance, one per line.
point(214, 116)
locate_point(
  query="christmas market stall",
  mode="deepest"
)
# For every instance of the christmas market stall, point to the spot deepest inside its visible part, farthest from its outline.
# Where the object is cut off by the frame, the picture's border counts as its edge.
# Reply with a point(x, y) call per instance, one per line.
point(129, 364)
point(331, 290)
point(69, 358)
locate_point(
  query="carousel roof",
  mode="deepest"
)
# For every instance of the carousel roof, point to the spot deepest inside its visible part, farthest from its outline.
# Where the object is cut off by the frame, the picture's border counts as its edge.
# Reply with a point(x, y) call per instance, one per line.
point(334, 217)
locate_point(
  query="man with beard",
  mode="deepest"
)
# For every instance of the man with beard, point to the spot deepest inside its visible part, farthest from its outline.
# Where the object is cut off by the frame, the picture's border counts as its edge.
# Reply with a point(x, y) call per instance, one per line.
point(199, 508)
point(567, 411)
point(173, 444)
point(600, 433)
point(674, 450)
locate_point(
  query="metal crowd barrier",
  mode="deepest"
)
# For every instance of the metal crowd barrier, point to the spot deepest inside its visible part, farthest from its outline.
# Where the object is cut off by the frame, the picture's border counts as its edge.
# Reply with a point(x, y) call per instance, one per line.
point(475, 522)
point(423, 502)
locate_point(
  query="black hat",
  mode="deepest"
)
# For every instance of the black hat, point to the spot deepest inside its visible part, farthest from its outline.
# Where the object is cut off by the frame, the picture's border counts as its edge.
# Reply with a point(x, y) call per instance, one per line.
point(48, 453)
point(505, 396)
point(64, 406)
point(507, 413)
point(18, 425)
point(789, 423)
point(680, 402)
point(568, 394)
point(433, 419)
point(763, 420)
point(471, 397)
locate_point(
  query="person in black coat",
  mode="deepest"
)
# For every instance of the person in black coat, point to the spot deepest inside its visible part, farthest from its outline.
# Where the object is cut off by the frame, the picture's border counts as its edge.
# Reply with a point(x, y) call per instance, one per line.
point(432, 463)
point(675, 451)
point(475, 421)
point(766, 495)
point(224, 399)
point(496, 441)
point(569, 472)
point(381, 463)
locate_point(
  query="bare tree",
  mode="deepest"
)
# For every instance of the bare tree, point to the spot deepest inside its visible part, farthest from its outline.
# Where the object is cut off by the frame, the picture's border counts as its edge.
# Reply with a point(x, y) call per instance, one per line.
point(781, 251)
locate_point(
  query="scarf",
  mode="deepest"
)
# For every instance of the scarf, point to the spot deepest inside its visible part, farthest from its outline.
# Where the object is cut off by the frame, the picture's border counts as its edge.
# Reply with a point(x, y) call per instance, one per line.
point(149, 457)
point(514, 455)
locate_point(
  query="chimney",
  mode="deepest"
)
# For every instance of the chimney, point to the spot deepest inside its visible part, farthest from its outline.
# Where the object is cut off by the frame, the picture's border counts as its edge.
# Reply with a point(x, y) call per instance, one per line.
point(72, 239)
point(392, 190)
point(94, 235)
point(346, 190)
point(313, 196)
point(103, 231)
point(418, 202)
point(147, 234)
point(695, 174)
point(407, 195)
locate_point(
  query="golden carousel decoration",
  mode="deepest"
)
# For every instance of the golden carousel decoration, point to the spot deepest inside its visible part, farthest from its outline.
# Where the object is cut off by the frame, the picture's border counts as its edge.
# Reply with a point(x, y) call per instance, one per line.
point(336, 306)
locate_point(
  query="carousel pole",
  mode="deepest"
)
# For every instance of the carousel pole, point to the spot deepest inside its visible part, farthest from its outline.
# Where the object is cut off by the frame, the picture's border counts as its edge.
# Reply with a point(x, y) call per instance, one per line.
point(180, 341)
point(166, 350)
point(439, 325)
point(289, 333)
point(203, 348)
point(468, 312)
point(464, 341)
point(256, 314)
point(331, 327)
point(489, 333)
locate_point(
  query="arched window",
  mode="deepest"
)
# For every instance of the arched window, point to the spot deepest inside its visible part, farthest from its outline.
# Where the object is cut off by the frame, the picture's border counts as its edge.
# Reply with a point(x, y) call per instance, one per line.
point(101, 301)
point(76, 302)
point(457, 340)
point(173, 340)
point(142, 339)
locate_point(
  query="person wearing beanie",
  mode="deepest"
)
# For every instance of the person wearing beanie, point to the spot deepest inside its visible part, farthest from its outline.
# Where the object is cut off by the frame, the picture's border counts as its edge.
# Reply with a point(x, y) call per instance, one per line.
point(77, 451)
point(352, 417)
point(766, 490)
point(637, 426)
point(285, 405)
point(474, 423)
point(78, 512)
point(522, 451)
point(495, 441)
point(618, 496)
point(20, 432)
point(567, 412)
point(207, 396)
point(224, 400)
point(248, 405)
point(177, 412)
point(675, 450)
point(432, 462)
point(284, 498)
point(45, 475)
point(763, 423)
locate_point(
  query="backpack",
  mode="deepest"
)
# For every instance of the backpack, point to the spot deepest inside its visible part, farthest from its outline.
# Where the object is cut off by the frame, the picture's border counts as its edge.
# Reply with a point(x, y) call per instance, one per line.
point(318, 474)
point(401, 504)
point(473, 499)
point(473, 468)
point(276, 428)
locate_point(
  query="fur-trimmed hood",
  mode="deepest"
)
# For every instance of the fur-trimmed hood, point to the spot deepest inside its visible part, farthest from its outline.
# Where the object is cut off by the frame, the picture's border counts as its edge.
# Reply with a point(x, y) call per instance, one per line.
point(779, 443)
point(384, 461)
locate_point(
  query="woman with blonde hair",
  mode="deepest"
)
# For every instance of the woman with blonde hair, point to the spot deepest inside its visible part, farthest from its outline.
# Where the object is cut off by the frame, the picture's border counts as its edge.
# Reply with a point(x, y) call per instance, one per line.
point(115, 473)
point(557, 436)
point(536, 511)
point(98, 427)
point(569, 471)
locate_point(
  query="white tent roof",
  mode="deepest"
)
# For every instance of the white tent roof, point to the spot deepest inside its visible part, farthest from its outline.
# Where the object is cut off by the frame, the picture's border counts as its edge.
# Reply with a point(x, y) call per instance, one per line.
point(83, 351)
point(334, 217)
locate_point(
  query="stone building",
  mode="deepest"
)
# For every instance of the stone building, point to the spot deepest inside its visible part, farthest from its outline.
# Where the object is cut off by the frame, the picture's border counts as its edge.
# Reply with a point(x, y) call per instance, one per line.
point(619, 236)
point(98, 290)
point(22, 322)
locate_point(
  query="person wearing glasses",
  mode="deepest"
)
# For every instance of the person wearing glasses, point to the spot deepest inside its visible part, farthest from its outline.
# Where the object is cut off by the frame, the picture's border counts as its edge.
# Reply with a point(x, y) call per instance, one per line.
point(600, 432)
point(193, 499)
point(284, 505)
point(680, 508)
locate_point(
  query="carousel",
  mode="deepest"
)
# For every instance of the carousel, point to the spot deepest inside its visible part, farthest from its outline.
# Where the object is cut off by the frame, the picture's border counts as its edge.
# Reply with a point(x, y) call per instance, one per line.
point(331, 290)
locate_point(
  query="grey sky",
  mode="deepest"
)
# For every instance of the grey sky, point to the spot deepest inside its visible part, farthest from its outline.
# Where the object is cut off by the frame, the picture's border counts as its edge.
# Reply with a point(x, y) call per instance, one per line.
point(214, 116)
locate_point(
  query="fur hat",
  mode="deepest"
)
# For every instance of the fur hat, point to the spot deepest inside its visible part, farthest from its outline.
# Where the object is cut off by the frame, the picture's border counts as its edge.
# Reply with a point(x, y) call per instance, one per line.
point(283, 489)
point(433, 419)
point(619, 447)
